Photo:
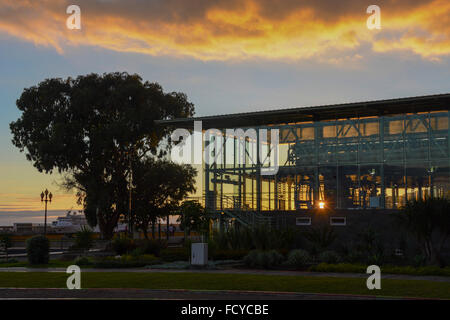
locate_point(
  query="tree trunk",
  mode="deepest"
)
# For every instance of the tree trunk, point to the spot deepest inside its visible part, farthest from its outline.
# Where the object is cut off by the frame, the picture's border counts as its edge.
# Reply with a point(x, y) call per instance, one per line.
point(153, 229)
point(430, 252)
point(144, 230)
point(167, 228)
point(107, 226)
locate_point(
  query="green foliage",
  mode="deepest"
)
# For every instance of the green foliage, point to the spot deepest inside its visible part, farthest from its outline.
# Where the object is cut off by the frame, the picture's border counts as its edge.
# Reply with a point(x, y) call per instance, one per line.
point(428, 220)
point(84, 239)
point(329, 257)
point(419, 260)
point(228, 254)
point(271, 259)
point(90, 128)
point(321, 237)
point(252, 258)
point(194, 217)
point(159, 186)
point(369, 247)
point(340, 267)
point(123, 245)
point(175, 254)
point(152, 247)
point(298, 258)
point(238, 239)
point(8, 261)
point(260, 238)
point(126, 261)
point(366, 247)
point(263, 259)
point(38, 250)
point(221, 282)
point(5, 243)
point(284, 240)
point(83, 261)
point(231, 239)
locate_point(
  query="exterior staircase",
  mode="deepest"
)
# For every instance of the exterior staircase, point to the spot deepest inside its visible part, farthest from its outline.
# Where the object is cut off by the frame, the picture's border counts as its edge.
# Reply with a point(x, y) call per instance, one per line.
point(249, 218)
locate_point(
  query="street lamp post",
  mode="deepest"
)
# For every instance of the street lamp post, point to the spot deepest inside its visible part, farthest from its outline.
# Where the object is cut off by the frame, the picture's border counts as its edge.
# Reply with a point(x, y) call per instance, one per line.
point(129, 154)
point(46, 197)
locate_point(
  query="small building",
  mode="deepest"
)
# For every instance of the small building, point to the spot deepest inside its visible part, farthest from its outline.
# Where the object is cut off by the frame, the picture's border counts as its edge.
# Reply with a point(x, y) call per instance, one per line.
point(23, 227)
point(334, 163)
point(6, 229)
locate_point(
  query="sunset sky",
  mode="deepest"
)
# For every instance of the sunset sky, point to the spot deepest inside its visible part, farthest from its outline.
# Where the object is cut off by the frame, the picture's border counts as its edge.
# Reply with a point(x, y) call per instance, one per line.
point(226, 55)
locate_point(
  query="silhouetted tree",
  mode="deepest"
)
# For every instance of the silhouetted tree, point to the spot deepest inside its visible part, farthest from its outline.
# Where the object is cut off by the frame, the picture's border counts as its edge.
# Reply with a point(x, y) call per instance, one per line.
point(429, 221)
point(5, 243)
point(159, 186)
point(194, 217)
point(89, 129)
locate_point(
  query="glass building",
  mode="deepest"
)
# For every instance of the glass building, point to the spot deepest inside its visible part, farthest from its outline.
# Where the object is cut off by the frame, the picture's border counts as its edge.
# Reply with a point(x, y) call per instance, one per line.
point(371, 155)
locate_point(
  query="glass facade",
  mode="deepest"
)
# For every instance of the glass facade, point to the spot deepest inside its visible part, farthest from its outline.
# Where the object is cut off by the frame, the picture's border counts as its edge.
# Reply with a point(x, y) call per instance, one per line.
point(353, 163)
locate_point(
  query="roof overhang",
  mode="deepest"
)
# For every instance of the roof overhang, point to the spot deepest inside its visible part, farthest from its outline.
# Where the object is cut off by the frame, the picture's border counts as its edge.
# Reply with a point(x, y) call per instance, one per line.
point(317, 113)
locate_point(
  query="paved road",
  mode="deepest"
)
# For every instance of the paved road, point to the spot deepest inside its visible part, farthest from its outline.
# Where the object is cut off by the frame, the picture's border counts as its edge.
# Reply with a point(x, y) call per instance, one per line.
point(47, 294)
point(239, 271)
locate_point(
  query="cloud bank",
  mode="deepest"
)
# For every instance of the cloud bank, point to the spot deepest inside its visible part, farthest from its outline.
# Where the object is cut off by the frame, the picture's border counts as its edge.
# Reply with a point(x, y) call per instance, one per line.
point(234, 30)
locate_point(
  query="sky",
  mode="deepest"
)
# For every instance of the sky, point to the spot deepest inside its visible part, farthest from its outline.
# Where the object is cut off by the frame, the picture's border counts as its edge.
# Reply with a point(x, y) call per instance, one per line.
point(226, 55)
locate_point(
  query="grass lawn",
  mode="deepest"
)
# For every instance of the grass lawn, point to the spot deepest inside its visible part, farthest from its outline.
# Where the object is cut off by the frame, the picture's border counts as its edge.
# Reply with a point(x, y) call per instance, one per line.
point(386, 269)
point(205, 281)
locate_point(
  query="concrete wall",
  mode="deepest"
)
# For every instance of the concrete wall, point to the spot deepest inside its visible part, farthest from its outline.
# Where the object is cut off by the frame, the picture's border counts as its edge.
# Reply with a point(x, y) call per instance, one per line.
point(382, 222)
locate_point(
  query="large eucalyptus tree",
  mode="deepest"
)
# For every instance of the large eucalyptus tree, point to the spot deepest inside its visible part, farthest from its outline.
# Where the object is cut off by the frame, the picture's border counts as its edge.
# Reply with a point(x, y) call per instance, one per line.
point(90, 129)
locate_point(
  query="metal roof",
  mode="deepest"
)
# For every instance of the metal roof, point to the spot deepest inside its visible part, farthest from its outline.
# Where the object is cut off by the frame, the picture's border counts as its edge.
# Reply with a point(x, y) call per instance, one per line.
point(317, 113)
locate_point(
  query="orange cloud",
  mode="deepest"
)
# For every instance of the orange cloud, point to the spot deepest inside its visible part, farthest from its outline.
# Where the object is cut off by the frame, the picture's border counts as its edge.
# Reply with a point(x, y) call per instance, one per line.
point(233, 30)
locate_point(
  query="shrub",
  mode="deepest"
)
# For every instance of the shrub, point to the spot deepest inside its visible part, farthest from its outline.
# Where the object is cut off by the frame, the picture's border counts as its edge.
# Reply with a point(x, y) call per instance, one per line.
point(123, 245)
point(340, 267)
point(298, 258)
point(38, 250)
point(270, 259)
point(9, 261)
point(329, 257)
point(5, 243)
point(261, 238)
point(263, 259)
point(174, 254)
point(321, 237)
point(126, 261)
point(428, 221)
point(151, 246)
point(147, 258)
point(228, 254)
point(82, 261)
point(370, 247)
point(419, 260)
point(84, 239)
point(251, 259)
point(137, 252)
